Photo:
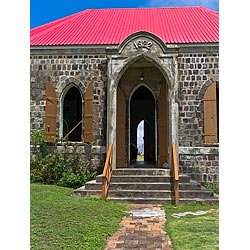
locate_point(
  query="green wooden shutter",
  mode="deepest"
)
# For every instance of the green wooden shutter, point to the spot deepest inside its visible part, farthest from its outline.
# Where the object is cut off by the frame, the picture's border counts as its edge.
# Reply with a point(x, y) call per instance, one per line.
point(88, 114)
point(50, 112)
point(210, 115)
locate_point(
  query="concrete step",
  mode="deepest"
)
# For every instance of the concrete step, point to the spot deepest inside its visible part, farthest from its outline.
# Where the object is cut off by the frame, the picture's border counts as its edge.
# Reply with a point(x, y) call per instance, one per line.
point(152, 186)
point(140, 194)
point(142, 200)
point(160, 193)
point(143, 178)
point(141, 171)
point(149, 185)
point(151, 197)
point(94, 185)
point(163, 200)
point(83, 192)
point(214, 199)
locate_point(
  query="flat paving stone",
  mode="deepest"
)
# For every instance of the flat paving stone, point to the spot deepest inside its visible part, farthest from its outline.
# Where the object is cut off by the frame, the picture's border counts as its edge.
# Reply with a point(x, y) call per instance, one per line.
point(143, 229)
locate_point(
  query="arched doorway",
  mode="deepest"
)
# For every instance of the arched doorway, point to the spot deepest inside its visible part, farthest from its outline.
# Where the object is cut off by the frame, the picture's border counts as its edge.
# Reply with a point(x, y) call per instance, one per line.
point(142, 94)
point(72, 114)
point(142, 107)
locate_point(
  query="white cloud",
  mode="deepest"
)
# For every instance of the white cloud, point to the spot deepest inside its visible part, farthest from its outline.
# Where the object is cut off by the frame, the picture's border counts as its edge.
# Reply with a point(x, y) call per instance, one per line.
point(211, 4)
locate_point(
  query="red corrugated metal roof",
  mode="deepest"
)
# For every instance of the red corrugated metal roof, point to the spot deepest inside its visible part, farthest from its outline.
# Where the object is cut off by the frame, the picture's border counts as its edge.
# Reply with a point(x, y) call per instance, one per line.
point(111, 26)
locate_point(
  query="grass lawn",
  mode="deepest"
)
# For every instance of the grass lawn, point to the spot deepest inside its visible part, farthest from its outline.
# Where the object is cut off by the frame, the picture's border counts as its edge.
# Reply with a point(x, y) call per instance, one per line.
point(59, 221)
point(193, 232)
point(140, 158)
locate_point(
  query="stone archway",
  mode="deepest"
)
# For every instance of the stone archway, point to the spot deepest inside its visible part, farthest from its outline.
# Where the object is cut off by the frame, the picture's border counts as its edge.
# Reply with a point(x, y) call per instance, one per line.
point(124, 60)
point(142, 94)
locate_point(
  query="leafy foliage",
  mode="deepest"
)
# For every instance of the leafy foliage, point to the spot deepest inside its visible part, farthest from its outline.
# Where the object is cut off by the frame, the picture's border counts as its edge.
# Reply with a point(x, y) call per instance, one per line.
point(63, 165)
point(213, 187)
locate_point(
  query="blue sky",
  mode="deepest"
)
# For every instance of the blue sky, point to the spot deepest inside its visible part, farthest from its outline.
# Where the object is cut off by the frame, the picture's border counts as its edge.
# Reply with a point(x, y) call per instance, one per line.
point(44, 11)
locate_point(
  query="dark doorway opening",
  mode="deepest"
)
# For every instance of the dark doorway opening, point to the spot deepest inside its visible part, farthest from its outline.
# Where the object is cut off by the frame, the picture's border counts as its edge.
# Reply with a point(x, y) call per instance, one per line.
point(72, 114)
point(142, 108)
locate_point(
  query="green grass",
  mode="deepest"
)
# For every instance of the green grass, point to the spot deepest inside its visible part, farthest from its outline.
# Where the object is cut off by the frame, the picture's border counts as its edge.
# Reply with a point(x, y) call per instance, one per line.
point(140, 157)
point(60, 221)
point(193, 232)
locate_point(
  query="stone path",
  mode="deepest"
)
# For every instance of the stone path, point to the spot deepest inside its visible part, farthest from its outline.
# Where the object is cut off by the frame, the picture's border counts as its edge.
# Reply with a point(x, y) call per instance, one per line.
point(143, 229)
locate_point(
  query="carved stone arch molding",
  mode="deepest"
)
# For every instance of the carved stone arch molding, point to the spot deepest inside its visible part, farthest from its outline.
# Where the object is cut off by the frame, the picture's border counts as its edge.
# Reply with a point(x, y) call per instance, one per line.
point(157, 62)
point(66, 82)
point(205, 86)
point(142, 42)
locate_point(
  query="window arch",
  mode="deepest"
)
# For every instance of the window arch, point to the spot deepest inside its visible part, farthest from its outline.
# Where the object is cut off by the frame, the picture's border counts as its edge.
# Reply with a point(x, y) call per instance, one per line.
point(211, 114)
point(72, 113)
point(77, 113)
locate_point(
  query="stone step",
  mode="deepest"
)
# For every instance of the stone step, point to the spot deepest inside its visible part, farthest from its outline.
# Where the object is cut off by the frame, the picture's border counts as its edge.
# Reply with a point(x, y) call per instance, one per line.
point(141, 171)
point(160, 194)
point(142, 200)
point(93, 185)
point(213, 199)
point(143, 178)
point(136, 193)
point(146, 185)
point(152, 186)
point(163, 200)
point(151, 197)
point(140, 194)
point(83, 192)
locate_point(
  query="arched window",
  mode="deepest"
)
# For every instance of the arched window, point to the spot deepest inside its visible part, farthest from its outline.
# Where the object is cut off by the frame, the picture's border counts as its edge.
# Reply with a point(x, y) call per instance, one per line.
point(72, 115)
point(211, 114)
point(76, 118)
point(77, 114)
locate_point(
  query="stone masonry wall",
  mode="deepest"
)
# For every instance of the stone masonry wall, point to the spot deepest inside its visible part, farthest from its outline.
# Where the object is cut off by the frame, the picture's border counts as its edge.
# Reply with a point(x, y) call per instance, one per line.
point(61, 70)
point(196, 71)
point(200, 163)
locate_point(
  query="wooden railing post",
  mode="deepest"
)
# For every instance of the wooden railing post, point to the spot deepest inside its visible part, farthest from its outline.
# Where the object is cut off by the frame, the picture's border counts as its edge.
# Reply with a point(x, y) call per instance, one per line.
point(175, 175)
point(107, 173)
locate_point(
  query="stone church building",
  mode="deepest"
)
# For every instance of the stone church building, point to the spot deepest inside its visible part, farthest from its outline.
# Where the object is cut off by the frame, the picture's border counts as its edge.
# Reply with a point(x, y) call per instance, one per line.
point(95, 75)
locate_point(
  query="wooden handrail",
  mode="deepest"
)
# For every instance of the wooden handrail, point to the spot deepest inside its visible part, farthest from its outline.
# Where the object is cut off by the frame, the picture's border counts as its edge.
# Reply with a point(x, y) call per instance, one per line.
point(175, 175)
point(107, 173)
